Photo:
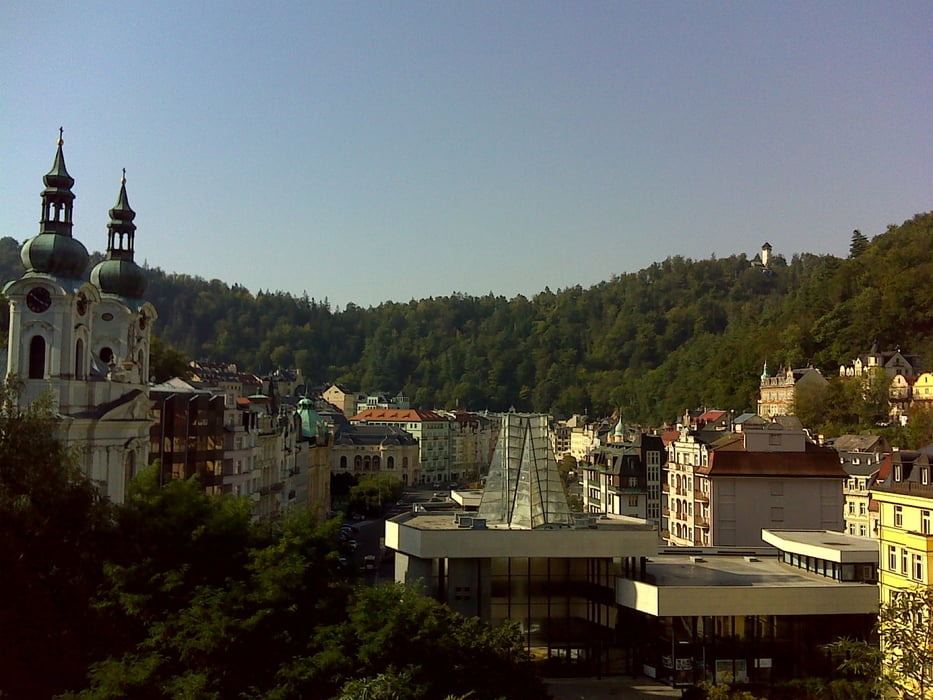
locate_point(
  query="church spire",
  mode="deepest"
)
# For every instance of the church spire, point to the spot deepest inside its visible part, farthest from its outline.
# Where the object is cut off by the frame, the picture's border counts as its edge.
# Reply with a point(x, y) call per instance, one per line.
point(118, 273)
point(57, 197)
point(121, 231)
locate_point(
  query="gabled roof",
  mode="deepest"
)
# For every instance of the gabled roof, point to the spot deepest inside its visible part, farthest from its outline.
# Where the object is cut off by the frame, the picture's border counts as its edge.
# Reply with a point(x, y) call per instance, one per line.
point(372, 435)
point(858, 443)
point(815, 462)
point(408, 415)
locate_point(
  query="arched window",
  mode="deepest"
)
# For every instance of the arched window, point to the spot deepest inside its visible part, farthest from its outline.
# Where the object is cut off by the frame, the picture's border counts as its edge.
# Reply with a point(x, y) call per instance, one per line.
point(367, 463)
point(404, 462)
point(390, 462)
point(37, 357)
point(357, 463)
point(343, 462)
point(377, 462)
point(79, 359)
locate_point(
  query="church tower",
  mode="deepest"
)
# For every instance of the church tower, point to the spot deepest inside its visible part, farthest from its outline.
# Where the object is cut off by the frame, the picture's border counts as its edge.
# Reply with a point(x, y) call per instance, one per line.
point(123, 319)
point(85, 344)
point(50, 319)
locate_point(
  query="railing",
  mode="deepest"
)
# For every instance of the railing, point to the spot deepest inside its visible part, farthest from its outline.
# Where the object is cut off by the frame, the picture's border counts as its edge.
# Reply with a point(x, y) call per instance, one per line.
point(700, 496)
point(666, 488)
point(700, 521)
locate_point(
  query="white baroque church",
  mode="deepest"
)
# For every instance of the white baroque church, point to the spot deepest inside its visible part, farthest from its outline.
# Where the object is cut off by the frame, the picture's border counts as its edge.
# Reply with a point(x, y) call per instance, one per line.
point(85, 343)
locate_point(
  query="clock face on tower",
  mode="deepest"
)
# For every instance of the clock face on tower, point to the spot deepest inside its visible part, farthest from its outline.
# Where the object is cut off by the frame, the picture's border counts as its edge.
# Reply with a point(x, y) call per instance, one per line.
point(38, 299)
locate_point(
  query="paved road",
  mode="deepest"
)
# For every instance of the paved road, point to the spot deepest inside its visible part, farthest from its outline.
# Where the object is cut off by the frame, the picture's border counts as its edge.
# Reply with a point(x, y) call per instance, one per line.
point(612, 688)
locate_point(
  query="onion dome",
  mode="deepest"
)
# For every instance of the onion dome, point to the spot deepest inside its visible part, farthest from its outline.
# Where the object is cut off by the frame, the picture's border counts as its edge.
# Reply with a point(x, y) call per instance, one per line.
point(54, 251)
point(118, 273)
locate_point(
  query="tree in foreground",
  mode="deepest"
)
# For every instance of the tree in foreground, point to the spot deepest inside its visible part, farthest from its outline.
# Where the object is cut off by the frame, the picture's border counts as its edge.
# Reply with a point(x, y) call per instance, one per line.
point(903, 666)
point(53, 527)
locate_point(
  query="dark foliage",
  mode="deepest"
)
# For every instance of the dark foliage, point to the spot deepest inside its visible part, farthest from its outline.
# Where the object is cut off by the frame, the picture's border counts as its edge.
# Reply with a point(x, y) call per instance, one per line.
point(680, 333)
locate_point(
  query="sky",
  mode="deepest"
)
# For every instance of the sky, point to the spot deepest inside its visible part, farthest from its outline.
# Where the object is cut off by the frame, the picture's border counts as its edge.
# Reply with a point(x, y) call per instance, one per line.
point(393, 150)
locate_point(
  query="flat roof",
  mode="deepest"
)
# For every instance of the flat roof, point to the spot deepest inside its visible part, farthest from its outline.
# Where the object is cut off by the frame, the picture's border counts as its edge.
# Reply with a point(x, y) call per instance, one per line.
point(830, 545)
point(445, 520)
point(681, 584)
point(436, 535)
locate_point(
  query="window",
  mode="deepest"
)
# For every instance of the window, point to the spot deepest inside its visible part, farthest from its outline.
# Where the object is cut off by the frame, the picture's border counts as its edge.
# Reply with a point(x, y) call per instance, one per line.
point(633, 482)
point(918, 567)
point(37, 357)
point(862, 531)
point(851, 508)
point(892, 557)
point(898, 516)
point(903, 561)
point(862, 509)
point(633, 501)
point(79, 360)
point(925, 522)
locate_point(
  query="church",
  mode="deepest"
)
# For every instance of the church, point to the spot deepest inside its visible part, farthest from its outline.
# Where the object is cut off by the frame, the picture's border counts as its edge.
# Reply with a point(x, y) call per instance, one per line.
point(84, 341)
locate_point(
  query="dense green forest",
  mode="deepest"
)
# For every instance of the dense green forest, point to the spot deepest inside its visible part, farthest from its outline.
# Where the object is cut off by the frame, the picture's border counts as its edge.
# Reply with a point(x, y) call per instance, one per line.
point(679, 334)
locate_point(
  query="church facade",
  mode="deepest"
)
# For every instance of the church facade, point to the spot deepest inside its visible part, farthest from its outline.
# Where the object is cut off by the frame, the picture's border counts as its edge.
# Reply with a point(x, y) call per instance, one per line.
point(84, 342)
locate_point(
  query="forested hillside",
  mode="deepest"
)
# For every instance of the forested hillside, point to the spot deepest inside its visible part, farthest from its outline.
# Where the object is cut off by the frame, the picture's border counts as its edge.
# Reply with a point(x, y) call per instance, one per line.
point(680, 333)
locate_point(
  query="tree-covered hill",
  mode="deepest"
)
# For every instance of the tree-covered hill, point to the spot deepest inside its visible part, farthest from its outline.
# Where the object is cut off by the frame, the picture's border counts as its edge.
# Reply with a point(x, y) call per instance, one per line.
point(680, 333)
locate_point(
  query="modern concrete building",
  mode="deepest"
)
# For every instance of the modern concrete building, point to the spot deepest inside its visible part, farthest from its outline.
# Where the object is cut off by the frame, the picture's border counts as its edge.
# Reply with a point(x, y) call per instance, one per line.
point(751, 614)
point(524, 557)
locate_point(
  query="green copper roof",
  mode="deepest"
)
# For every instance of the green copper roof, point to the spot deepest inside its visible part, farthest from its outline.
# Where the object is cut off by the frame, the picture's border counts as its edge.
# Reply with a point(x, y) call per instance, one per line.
point(54, 254)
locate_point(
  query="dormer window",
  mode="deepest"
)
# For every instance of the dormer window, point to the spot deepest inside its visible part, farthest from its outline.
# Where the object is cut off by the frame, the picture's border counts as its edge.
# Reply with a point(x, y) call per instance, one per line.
point(925, 475)
point(898, 472)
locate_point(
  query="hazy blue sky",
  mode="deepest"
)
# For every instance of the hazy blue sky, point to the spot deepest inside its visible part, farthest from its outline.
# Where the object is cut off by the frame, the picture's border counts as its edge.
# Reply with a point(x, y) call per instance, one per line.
point(372, 151)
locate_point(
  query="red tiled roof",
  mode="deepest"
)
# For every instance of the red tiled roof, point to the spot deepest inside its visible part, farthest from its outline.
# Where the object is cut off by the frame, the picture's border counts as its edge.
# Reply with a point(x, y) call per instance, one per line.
point(409, 415)
point(821, 463)
point(710, 416)
point(669, 436)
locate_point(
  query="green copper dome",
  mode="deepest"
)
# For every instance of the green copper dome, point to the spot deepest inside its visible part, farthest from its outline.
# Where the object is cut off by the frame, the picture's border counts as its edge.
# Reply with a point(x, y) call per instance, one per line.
point(54, 251)
point(55, 254)
point(121, 277)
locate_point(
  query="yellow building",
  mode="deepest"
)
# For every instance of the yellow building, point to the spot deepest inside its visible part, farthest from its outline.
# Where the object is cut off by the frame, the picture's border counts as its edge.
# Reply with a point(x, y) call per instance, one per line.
point(905, 501)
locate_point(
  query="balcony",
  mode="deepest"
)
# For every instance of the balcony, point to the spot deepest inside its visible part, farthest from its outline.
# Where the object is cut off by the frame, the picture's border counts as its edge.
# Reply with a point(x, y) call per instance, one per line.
point(665, 487)
point(666, 512)
point(700, 521)
point(700, 496)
